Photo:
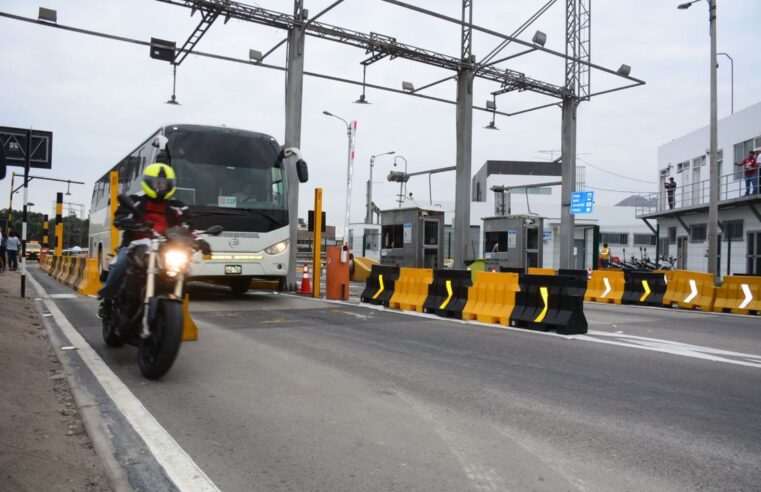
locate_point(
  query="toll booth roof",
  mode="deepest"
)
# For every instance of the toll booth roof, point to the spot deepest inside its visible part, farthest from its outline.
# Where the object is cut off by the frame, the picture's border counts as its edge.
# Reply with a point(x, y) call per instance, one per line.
point(422, 207)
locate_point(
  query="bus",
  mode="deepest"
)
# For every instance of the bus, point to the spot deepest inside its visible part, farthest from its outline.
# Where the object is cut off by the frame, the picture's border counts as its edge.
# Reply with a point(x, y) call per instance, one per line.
point(228, 177)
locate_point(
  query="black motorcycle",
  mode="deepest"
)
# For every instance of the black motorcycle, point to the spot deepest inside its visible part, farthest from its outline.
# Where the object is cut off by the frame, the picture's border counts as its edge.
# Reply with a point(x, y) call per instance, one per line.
point(147, 311)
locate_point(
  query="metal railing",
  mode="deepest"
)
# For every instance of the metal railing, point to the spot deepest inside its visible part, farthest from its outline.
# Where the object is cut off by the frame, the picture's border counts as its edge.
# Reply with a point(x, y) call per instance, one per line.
point(696, 194)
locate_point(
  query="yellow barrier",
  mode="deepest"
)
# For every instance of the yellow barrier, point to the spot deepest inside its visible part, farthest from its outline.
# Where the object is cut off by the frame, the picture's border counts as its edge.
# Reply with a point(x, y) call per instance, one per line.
point(362, 267)
point(64, 270)
point(605, 286)
point(491, 299)
point(739, 295)
point(189, 328)
point(690, 290)
point(90, 284)
point(411, 289)
point(541, 271)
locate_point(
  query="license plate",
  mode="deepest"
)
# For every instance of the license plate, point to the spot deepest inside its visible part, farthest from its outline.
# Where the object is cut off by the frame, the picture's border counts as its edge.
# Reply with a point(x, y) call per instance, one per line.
point(233, 269)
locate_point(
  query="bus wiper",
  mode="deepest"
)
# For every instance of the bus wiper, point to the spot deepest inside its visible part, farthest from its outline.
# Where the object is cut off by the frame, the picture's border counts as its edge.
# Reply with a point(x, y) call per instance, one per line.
point(262, 213)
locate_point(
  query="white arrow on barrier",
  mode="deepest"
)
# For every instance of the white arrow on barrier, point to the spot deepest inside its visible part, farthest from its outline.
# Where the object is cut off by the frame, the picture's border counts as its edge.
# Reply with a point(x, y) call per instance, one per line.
point(607, 287)
point(748, 296)
point(693, 293)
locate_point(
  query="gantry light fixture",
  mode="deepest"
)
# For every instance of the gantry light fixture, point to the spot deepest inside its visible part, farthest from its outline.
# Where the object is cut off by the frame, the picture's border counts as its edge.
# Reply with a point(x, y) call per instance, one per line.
point(408, 87)
point(539, 38)
point(492, 106)
point(362, 99)
point(255, 56)
point(47, 15)
point(173, 99)
point(624, 70)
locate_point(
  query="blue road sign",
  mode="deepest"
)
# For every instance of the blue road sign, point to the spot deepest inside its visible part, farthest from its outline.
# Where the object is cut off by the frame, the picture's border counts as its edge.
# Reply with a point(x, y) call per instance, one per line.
point(582, 202)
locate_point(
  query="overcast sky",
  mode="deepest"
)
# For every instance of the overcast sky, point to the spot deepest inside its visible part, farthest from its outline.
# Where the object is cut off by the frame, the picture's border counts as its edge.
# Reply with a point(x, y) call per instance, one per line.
point(101, 98)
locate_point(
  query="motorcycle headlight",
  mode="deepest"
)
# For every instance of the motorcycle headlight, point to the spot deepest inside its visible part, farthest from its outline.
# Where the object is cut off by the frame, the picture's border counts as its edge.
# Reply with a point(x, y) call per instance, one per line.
point(277, 248)
point(175, 261)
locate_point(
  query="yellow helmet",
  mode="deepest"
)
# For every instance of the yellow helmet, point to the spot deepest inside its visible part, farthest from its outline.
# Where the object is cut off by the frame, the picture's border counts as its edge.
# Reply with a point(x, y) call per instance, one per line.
point(159, 181)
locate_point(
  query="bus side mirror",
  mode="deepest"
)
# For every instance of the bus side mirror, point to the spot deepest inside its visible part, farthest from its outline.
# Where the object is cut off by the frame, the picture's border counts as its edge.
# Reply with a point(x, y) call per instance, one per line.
point(160, 142)
point(302, 171)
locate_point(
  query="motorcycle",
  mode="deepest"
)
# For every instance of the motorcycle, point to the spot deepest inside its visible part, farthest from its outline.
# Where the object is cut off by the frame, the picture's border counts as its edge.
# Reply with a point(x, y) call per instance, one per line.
point(147, 311)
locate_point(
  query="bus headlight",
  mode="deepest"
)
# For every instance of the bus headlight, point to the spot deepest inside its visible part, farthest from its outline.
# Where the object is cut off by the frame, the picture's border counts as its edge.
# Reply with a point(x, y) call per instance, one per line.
point(277, 248)
point(175, 261)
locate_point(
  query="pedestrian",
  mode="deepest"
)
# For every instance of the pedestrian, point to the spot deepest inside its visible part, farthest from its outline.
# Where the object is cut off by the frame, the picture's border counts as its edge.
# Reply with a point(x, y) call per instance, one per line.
point(751, 172)
point(3, 240)
point(670, 186)
point(12, 245)
point(605, 255)
point(757, 170)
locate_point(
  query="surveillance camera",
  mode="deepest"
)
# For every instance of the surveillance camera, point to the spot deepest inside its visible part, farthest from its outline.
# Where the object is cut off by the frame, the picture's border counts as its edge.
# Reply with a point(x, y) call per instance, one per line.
point(530, 222)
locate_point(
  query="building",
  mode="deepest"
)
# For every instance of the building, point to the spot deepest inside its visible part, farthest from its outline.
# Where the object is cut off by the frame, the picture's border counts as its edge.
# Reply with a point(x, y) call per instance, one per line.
point(682, 224)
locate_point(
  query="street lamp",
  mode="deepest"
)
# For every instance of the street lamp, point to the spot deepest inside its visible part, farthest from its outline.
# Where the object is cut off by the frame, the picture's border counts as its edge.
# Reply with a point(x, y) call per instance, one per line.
point(368, 207)
point(351, 128)
point(492, 106)
point(732, 79)
point(403, 182)
point(713, 196)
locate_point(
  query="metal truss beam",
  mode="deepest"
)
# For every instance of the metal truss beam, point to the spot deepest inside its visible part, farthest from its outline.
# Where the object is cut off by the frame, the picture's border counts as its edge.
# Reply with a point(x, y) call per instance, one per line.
point(207, 19)
point(372, 43)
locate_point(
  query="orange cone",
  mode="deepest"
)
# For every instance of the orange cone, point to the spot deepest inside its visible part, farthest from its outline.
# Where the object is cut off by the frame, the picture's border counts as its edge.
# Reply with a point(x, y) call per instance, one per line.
point(306, 287)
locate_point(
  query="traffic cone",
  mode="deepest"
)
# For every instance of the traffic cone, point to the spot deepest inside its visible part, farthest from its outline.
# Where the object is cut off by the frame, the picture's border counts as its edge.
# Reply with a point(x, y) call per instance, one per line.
point(306, 287)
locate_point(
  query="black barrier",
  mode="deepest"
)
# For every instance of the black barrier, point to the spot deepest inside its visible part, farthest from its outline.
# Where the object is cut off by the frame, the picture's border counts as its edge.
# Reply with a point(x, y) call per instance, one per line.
point(548, 302)
point(80, 274)
point(380, 284)
point(580, 275)
point(448, 293)
point(644, 288)
point(504, 269)
point(53, 265)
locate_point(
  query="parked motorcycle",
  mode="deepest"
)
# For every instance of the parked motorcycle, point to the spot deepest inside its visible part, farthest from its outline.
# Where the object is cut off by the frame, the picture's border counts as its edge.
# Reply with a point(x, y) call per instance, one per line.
point(147, 311)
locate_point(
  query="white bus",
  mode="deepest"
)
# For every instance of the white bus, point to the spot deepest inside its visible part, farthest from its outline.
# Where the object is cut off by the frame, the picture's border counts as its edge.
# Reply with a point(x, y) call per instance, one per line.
point(228, 177)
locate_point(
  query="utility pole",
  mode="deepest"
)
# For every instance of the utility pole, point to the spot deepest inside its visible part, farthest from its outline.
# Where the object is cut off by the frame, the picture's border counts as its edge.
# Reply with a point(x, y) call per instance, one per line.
point(464, 137)
point(713, 196)
point(294, 84)
point(27, 163)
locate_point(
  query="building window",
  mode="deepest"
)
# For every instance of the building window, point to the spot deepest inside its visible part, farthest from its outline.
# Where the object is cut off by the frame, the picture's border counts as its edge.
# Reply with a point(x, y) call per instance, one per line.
point(393, 236)
point(644, 239)
point(682, 166)
point(620, 239)
point(672, 235)
point(733, 229)
point(697, 233)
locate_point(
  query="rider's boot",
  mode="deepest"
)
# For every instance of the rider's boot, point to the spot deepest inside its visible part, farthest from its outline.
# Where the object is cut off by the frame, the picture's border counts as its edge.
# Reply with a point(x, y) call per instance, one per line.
point(105, 308)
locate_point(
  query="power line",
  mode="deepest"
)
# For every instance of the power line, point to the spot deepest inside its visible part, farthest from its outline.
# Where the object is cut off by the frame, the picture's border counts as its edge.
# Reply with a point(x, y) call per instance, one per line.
point(614, 174)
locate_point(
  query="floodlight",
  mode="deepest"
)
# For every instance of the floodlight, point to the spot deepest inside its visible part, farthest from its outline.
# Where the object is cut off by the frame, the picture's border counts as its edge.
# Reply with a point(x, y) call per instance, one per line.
point(48, 15)
point(408, 87)
point(491, 105)
point(624, 70)
point(255, 56)
point(539, 38)
point(491, 126)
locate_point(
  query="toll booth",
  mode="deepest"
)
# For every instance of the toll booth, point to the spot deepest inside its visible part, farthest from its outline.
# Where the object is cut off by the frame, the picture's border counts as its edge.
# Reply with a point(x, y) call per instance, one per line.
point(513, 242)
point(412, 237)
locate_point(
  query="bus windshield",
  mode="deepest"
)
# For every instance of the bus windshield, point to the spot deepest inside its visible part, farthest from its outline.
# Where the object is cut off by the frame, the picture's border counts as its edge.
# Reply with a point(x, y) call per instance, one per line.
point(220, 167)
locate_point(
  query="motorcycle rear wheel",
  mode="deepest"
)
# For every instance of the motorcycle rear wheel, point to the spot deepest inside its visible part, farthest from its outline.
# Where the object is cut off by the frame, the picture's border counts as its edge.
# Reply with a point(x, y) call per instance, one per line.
point(156, 353)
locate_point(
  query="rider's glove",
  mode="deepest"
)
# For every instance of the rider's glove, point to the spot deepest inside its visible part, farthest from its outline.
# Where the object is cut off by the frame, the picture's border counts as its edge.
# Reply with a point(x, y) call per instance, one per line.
point(204, 247)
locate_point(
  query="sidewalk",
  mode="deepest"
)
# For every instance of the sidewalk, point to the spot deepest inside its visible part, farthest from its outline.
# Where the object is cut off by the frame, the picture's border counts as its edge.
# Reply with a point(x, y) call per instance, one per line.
point(44, 445)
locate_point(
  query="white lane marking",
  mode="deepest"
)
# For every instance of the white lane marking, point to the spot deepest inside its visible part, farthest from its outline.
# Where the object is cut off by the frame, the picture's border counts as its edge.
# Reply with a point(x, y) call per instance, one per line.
point(693, 292)
point(748, 295)
point(180, 467)
point(62, 296)
point(675, 348)
point(607, 286)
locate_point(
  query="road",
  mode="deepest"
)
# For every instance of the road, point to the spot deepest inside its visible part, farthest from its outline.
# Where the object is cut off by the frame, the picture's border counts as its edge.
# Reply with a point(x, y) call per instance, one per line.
point(286, 393)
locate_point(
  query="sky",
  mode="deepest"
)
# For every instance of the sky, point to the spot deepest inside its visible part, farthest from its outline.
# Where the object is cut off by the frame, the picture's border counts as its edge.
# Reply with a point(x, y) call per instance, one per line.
point(101, 98)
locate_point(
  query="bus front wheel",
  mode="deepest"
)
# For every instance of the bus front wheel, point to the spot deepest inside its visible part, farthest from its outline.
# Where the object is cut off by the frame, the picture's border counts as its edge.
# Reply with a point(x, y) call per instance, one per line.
point(239, 285)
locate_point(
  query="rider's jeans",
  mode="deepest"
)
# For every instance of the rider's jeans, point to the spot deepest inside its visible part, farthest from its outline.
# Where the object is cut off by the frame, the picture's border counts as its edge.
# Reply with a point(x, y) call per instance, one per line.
point(115, 275)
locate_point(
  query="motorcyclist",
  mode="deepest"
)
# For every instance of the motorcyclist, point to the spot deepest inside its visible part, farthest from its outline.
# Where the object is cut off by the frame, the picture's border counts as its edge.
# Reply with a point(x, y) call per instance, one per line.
point(159, 212)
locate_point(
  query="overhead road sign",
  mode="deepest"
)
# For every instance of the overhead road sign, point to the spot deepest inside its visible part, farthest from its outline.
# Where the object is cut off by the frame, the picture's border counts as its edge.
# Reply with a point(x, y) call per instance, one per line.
point(14, 144)
point(582, 202)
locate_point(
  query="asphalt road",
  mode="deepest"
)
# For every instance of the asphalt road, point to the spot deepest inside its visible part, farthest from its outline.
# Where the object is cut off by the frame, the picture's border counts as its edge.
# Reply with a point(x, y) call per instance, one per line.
point(285, 393)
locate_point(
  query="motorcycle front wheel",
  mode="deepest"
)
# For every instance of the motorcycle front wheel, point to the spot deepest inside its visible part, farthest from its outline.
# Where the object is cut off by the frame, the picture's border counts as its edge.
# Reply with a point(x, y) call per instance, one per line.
point(156, 353)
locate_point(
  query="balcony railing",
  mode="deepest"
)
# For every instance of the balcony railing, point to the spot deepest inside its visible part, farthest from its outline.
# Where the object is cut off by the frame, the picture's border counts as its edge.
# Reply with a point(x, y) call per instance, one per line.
point(696, 194)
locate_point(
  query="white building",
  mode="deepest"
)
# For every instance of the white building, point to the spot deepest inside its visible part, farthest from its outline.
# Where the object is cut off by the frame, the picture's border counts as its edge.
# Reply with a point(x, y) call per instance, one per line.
point(683, 231)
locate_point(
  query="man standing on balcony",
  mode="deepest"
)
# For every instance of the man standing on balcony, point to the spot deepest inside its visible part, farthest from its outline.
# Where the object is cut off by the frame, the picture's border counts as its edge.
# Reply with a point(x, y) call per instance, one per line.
point(670, 186)
point(751, 172)
point(757, 171)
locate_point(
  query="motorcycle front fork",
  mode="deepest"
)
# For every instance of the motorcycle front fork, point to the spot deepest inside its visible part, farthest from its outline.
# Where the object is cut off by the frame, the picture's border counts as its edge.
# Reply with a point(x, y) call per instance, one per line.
point(150, 287)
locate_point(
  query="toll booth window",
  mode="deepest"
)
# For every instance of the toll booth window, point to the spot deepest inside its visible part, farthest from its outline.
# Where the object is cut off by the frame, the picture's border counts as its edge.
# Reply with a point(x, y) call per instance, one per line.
point(371, 240)
point(532, 238)
point(393, 236)
point(431, 233)
point(495, 242)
